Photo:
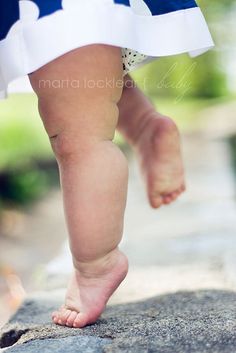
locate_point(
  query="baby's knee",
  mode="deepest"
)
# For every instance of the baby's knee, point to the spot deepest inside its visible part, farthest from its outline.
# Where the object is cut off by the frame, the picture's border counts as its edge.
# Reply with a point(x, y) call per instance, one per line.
point(74, 122)
point(74, 134)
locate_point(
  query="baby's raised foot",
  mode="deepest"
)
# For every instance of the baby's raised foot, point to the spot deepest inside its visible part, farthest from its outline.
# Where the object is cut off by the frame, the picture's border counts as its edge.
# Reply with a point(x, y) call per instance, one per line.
point(159, 151)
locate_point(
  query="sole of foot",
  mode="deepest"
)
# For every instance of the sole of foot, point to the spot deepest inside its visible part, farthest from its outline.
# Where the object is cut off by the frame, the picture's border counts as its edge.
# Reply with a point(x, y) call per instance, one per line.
point(159, 151)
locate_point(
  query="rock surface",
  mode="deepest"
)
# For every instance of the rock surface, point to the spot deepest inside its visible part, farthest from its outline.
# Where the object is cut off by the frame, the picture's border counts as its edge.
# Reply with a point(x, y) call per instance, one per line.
point(183, 322)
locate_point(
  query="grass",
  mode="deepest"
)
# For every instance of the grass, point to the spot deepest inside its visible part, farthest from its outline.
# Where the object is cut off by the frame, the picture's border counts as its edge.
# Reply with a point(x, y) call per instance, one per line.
point(22, 136)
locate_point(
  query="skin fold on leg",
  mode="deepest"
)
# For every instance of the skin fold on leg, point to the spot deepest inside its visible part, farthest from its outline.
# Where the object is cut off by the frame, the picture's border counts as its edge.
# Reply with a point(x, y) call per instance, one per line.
point(78, 95)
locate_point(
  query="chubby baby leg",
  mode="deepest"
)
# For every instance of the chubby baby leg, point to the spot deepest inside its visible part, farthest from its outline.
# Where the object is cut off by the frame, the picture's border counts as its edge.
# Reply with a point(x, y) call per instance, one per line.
point(78, 95)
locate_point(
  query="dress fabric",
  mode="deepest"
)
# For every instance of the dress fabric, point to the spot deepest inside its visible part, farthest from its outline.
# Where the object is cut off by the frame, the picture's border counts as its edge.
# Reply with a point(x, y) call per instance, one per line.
point(35, 32)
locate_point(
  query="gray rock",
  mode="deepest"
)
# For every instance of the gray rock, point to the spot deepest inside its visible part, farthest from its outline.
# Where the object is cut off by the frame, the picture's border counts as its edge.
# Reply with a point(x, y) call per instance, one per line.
point(83, 344)
point(183, 322)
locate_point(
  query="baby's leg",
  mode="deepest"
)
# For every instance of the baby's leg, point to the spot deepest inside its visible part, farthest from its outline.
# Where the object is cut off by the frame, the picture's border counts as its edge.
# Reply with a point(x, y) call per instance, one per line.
point(156, 140)
point(80, 118)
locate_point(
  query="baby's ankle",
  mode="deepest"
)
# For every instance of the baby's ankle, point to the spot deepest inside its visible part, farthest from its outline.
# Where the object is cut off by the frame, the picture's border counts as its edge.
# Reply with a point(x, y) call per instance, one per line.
point(100, 266)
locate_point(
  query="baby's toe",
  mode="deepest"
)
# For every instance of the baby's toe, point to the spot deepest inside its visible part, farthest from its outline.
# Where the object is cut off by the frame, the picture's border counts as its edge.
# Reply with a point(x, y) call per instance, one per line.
point(156, 200)
point(55, 317)
point(167, 199)
point(56, 320)
point(64, 316)
point(71, 318)
point(80, 320)
point(171, 197)
point(61, 316)
point(175, 195)
point(54, 314)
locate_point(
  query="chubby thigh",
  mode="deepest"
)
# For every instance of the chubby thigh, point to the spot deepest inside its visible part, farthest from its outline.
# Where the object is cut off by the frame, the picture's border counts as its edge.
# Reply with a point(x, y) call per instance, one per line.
point(78, 93)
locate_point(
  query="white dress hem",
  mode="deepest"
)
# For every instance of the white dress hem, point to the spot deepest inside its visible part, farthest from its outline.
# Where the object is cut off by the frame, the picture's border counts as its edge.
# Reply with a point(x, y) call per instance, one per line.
point(34, 43)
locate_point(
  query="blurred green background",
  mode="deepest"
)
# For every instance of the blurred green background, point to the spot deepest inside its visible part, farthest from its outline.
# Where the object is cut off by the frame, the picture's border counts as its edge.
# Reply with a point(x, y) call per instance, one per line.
point(179, 86)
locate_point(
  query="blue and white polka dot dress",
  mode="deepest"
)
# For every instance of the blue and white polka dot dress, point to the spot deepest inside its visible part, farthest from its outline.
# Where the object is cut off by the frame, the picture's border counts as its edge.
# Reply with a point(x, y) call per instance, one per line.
point(34, 32)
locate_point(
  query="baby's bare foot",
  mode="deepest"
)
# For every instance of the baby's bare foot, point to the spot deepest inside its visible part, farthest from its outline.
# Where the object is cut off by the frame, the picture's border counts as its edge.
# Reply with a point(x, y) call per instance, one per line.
point(90, 287)
point(159, 151)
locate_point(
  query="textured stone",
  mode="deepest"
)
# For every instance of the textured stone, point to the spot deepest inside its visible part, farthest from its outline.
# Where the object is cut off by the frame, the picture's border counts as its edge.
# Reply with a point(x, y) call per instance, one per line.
point(82, 344)
point(183, 322)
